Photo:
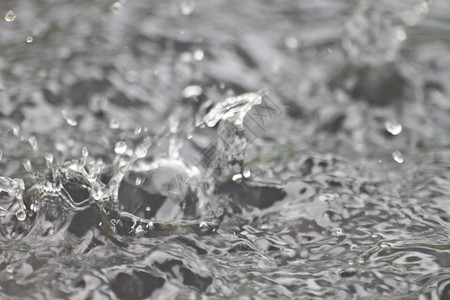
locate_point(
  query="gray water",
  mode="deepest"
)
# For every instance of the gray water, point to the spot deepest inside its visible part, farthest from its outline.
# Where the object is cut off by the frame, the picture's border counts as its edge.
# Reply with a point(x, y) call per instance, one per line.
point(224, 149)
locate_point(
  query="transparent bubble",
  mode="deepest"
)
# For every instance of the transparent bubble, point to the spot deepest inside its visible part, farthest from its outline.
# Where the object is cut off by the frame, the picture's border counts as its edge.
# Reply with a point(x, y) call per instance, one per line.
point(29, 39)
point(10, 16)
point(120, 148)
point(398, 157)
point(393, 127)
point(117, 8)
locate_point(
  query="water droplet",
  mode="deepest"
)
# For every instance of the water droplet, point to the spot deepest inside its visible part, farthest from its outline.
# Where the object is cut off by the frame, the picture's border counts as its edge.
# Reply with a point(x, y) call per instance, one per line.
point(138, 180)
point(69, 119)
point(117, 8)
point(49, 158)
point(138, 229)
point(21, 215)
point(10, 16)
point(114, 124)
point(33, 143)
point(191, 91)
point(199, 54)
point(236, 177)
point(187, 7)
point(137, 130)
point(393, 127)
point(120, 148)
point(84, 152)
point(247, 173)
point(27, 166)
point(148, 208)
point(29, 39)
point(401, 35)
point(291, 42)
point(398, 157)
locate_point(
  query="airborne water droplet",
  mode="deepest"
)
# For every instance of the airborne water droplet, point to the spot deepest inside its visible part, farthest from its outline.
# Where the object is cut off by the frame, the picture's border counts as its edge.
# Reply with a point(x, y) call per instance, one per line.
point(10, 16)
point(191, 91)
point(117, 8)
point(187, 7)
point(393, 127)
point(398, 157)
point(27, 166)
point(120, 147)
point(69, 119)
point(29, 39)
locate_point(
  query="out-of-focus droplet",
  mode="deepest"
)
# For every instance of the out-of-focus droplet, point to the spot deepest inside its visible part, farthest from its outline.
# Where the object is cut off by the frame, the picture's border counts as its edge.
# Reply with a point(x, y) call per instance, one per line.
point(49, 158)
point(120, 148)
point(27, 166)
point(117, 8)
point(137, 130)
point(393, 127)
point(138, 180)
point(84, 152)
point(114, 124)
point(398, 157)
point(21, 215)
point(191, 91)
point(291, 42)
point(29, 39)
point(187, 7)
point(69, 119)
point(199, 54)
point(247, 173)
point(148, 208)
point(10, 16)
point(33, 143)
point(401, 35)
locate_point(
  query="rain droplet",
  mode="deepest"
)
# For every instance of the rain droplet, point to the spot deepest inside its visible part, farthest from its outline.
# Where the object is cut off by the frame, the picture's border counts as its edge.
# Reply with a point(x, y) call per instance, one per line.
point(29, 39)
point(148, 208)
point(117, 8)
point(10, 16)
point(187, 7)
point(21, 215)
point(398, 157)
point(120, 147)
point(191, 91)
point(69, 119)
point(401, 35)
point(393, 127)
